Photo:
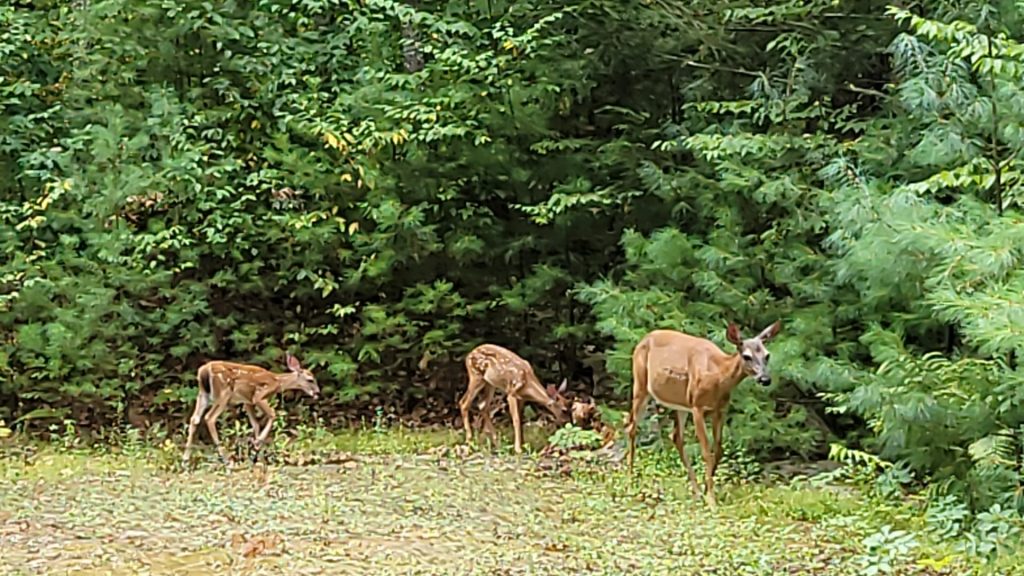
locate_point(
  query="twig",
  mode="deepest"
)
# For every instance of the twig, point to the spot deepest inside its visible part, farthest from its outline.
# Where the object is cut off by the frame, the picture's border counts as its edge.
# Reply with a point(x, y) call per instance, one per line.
point(689, 62)
point(868, 91)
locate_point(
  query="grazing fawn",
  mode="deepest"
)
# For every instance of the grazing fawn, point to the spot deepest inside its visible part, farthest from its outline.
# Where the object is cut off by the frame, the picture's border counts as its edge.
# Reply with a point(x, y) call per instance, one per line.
point(491, 367)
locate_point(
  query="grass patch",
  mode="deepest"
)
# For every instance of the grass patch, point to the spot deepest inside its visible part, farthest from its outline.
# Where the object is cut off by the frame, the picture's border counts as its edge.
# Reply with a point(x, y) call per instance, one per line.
point(406, 502)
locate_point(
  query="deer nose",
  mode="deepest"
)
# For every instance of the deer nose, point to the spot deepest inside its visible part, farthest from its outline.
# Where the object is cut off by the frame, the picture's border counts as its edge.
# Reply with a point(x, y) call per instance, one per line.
point(764, 379)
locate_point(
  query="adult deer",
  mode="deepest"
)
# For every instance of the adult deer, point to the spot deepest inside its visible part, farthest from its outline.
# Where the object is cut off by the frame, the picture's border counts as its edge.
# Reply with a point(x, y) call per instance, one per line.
point(225, 383)
point(491, 367)
point(692, 375)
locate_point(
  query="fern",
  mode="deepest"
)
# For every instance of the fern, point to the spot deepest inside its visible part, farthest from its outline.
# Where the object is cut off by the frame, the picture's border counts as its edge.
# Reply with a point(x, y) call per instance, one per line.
point(851, 456)
point(995, 450)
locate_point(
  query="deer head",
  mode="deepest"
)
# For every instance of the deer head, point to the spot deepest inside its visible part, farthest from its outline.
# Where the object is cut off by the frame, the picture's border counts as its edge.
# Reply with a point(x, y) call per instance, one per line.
point(558, 404)
point(752, 351)
point(302, 378)
point(583, 412)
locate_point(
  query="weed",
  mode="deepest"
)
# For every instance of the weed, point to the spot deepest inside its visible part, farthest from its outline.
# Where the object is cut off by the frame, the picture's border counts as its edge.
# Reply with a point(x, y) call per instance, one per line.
point(571, 437)
point(886, 551)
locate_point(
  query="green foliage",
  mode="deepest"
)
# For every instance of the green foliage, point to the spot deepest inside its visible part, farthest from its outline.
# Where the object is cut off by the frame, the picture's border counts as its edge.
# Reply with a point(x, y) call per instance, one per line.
point(997, 531)
point(886, 550)
point(571, 437)
point(933, 192)
point(947, 517)
point(230, 181)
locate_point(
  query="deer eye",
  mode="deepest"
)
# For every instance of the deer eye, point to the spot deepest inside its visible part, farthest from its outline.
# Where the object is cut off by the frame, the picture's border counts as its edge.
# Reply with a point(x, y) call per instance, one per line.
point(747, 357)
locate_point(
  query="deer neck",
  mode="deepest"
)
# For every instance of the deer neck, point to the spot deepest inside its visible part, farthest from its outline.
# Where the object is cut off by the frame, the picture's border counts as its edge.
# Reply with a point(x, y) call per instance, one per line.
point(286, 381)
point(732, 371)
point(534, 392)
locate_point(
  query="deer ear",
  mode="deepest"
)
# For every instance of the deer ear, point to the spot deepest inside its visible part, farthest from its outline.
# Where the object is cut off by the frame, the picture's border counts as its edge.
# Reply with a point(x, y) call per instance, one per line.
point(550, 389)
point(732, 333)
point(293, 362)
point(562, 387)
point(770, 332)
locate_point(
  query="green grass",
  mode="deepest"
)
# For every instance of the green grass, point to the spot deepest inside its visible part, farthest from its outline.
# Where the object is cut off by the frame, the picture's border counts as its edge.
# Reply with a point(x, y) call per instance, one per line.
point(403, 502)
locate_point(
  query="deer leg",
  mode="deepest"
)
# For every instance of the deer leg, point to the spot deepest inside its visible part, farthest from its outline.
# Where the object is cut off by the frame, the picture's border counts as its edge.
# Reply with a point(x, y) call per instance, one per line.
point(476, 383)
point(254, 420)
point(717, 419)
point(679, 439)
point(264, 407)
point(636, 412)
point(488, 422)
point(211, 425)
point(639, 403)
point(513, 408)
point(702, 437)
point(202, 404)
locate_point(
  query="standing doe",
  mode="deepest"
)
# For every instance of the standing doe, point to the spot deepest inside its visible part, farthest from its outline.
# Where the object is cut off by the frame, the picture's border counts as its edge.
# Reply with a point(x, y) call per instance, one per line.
point(224, 383)
point(692, 375)
point(492, 367)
